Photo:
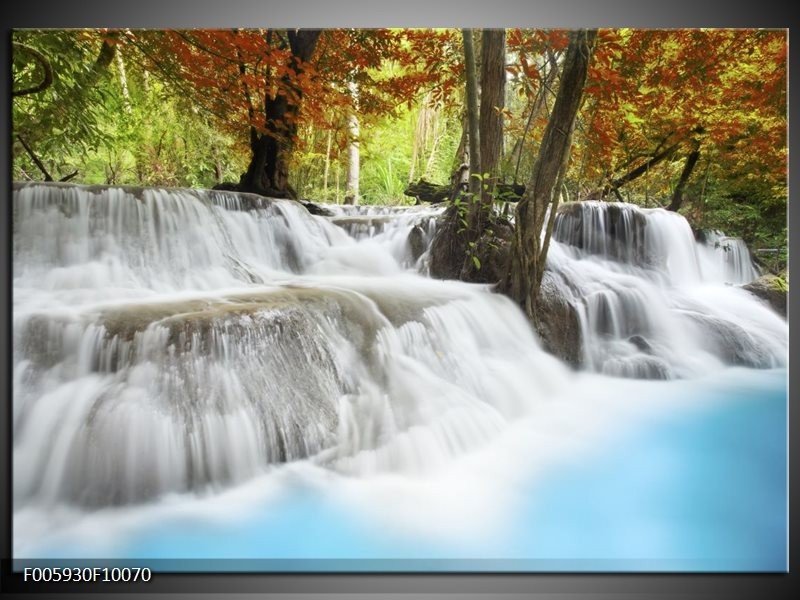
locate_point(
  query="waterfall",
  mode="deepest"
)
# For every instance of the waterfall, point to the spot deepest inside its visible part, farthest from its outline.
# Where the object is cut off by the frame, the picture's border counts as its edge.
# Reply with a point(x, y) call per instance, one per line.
point(652, 301)
point(172, 341)
point(729, 258)
point(407, 230)
point(175, 340)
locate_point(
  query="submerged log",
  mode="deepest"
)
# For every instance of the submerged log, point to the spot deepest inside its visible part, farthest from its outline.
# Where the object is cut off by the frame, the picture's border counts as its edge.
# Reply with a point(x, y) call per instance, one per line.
point(425, 191)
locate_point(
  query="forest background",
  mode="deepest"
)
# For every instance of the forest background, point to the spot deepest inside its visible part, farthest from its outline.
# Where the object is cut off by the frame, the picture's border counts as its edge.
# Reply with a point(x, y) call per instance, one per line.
point(688, 119)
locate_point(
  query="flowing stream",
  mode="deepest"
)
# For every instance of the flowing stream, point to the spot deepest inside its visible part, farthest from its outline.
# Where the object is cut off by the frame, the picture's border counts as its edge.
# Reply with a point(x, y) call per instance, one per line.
point(182, 346)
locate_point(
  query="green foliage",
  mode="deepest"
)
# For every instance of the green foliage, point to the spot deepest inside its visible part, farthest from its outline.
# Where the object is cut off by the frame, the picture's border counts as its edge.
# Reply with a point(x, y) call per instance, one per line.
point(781, 282)
point(386, 146)
point(121, 120)
point(111, 127)
point(463, 203)
point(748, 208)
point(64, 120)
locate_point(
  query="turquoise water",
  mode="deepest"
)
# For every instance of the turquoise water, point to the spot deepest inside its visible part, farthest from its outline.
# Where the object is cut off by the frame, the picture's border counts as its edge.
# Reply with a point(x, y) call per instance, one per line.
point(698, 492)
point(699, 489)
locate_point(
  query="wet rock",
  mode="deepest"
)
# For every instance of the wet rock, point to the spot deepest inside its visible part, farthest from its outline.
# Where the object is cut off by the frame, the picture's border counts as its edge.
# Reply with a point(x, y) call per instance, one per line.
point(731, 343)
point(494, 253)
point(449, 251)
point(316, 209)
point(447, 248)
point(226, 186)
point(641, 343)
point(416, 242)
point(638, 367)
point(771, 290)
point(361, 226)
point(557, 322)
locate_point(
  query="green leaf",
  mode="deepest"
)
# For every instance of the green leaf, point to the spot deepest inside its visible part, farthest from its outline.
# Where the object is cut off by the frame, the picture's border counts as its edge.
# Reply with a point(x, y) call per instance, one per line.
point(476, 261)
point(632, 118)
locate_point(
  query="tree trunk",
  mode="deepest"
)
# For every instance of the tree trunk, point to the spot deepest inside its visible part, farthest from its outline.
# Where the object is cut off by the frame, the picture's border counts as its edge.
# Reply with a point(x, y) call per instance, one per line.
point(538, 104)
point(472, 113)
point(450, 251)
point(490, 138)
point(268, 171)
point(338, 169)
point(528, 253)
point(35, 159)
point(493, 93)
point(462, 152)
point(327, 165)
point(436, 138)
point(691, 161)
point(123, 82)
point(353, 154)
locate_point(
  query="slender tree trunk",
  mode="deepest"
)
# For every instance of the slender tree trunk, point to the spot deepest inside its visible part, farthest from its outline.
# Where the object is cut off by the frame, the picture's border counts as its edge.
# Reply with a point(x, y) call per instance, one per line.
point(354, 161)
point(327, 164)
point(435, 139)
point(123, 82)
point(338, 168)
point(536, 109)
point(413, 166)
point(472, 114)
point(353, 151)
point(459, 176)
point(35, 159)
point(528, 252)
point(421, 131)
point(691, 161)
point(452, 247)
point(217, 165)
point(490, 136)
point(493, 94)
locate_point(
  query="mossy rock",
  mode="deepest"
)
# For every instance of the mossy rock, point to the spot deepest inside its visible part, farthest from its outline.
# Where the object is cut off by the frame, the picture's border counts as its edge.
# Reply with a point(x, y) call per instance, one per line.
point(772, 289)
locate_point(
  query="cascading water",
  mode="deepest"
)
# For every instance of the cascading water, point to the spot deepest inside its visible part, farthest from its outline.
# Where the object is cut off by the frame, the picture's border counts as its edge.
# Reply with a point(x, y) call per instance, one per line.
point(406, 230)
point(183, 341)
point(171, 340)
point(652, 302)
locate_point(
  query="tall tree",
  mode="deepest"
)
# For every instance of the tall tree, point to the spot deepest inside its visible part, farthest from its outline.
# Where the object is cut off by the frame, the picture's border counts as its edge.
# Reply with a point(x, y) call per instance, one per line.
point(353, 150)
point(493, 94)
point(487, 126)
point(268, 172)
point(531, 239)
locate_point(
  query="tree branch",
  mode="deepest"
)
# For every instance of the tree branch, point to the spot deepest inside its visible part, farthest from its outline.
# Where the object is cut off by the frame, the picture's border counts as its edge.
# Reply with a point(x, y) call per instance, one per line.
point(69, 177)
point(47, 79)
point(35, 159)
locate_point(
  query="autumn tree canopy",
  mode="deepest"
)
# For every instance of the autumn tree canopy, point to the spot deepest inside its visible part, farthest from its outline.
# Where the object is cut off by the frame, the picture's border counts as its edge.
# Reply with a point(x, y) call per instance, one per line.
point(693, 120)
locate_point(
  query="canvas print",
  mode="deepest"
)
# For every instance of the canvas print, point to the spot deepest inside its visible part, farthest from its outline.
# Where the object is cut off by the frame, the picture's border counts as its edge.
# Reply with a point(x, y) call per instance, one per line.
point(400, 299)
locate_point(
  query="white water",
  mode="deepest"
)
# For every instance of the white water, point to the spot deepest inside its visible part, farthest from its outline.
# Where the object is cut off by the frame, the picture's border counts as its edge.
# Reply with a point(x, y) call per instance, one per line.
point(174, 341)
point(653, 302)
